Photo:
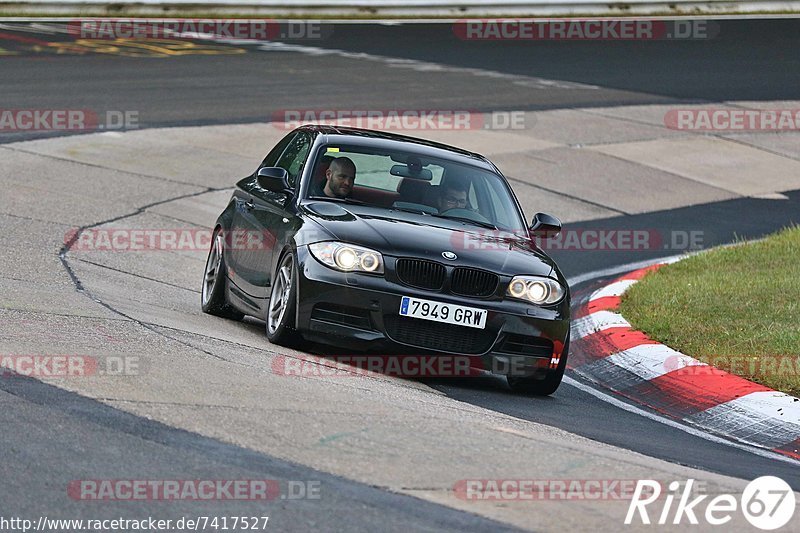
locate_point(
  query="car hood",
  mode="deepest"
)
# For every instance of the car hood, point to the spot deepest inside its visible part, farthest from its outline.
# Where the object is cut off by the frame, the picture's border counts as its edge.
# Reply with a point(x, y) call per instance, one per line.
point(402, 234)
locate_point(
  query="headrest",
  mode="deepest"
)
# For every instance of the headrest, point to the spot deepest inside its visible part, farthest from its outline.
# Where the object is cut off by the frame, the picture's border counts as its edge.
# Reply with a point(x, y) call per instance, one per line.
point(413, 190)
point(322, 167)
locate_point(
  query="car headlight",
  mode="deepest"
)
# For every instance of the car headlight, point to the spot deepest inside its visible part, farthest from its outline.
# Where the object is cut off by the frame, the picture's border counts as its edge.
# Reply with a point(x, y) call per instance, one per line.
point(347, 257)
point(535, 289)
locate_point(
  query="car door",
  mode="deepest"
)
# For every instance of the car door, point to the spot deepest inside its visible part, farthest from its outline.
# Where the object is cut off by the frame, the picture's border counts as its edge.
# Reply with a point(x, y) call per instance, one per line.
point(238, 258)
point(263, 218)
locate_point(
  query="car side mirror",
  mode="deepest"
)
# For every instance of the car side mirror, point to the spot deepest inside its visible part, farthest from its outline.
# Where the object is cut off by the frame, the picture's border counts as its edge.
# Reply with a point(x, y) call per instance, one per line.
point(545, 226)
point(274, 179)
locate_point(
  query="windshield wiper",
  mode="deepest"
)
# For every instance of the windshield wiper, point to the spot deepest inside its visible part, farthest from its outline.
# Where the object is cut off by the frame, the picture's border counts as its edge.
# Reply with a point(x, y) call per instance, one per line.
point(480, 223)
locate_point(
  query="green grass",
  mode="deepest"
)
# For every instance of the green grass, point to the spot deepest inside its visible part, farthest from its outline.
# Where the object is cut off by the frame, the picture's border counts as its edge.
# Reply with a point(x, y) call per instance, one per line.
point(737, 308)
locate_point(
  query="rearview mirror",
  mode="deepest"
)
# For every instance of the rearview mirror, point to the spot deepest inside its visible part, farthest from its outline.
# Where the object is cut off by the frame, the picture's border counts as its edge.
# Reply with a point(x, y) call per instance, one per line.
point(274, 179)
point(545, 226)
point(410, 171)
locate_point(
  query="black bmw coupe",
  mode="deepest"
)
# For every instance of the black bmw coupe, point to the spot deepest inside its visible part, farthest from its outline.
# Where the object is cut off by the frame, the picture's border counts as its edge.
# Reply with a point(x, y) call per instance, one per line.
point(372, 241)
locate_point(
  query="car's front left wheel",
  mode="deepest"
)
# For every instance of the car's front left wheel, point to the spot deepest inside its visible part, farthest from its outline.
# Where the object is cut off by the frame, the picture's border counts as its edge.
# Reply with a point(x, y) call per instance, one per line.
point(212, 297)
point(282, 303)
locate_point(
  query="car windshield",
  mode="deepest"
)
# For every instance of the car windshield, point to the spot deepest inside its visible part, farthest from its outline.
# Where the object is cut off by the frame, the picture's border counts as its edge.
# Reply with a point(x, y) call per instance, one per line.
point(417, 183)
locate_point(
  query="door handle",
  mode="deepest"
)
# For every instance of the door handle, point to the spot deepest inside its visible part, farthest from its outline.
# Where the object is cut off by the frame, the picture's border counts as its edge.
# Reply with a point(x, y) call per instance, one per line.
point(249, 205)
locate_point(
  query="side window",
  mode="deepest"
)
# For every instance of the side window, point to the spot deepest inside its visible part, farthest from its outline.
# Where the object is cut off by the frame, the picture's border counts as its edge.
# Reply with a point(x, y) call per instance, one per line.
point(272, 157)
point(295, 155)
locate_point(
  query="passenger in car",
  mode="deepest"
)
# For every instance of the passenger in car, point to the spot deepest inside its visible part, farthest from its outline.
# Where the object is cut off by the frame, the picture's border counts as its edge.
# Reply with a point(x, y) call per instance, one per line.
point(452, 194)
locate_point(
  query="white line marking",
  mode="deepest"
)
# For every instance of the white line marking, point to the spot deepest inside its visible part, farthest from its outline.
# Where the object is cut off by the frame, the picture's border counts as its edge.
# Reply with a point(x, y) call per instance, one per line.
point(30, 28)
point(766, 418)
point(671, 423)
point(598, 321)
point(613, 289)
point(769, 404)
point(649, 361)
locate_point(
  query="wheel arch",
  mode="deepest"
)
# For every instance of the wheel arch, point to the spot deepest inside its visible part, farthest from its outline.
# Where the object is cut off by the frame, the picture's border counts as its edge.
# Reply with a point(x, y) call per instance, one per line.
point(290, 247)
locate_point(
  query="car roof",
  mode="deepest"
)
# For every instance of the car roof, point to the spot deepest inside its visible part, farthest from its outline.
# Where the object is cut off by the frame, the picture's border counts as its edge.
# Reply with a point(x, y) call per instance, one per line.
point(382, 139)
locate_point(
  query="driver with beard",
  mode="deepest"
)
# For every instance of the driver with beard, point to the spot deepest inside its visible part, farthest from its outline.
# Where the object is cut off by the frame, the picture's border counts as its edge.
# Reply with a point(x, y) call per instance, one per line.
point(339, 179)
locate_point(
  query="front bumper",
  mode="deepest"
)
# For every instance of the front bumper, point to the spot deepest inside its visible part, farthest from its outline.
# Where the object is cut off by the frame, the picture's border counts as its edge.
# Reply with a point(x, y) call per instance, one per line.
point(360, 312)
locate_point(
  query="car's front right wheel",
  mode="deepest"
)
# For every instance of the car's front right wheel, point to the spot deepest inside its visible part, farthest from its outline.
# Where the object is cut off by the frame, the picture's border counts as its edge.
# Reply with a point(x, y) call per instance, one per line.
point(282, 303)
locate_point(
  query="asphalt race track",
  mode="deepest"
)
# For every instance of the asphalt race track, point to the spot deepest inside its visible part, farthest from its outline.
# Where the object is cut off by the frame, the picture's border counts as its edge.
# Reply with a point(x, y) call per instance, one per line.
point(384, 453)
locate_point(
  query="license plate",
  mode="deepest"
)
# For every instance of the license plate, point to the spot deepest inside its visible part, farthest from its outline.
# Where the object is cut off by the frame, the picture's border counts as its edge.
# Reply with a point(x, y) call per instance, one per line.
point(442, 312)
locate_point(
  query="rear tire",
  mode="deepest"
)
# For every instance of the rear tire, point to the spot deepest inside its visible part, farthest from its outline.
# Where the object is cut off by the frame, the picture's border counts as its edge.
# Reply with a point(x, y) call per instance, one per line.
point(282, 303)
point(546, 386)
point(212, 297)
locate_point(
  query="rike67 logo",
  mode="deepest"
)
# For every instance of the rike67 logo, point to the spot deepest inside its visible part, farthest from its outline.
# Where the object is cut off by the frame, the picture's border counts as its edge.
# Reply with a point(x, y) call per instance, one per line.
point(767, 503)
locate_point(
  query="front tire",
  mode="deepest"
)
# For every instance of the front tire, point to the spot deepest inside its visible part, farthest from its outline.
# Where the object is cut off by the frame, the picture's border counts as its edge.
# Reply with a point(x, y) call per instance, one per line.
point(282, 303)
point(212, 296)
point(546, 386)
